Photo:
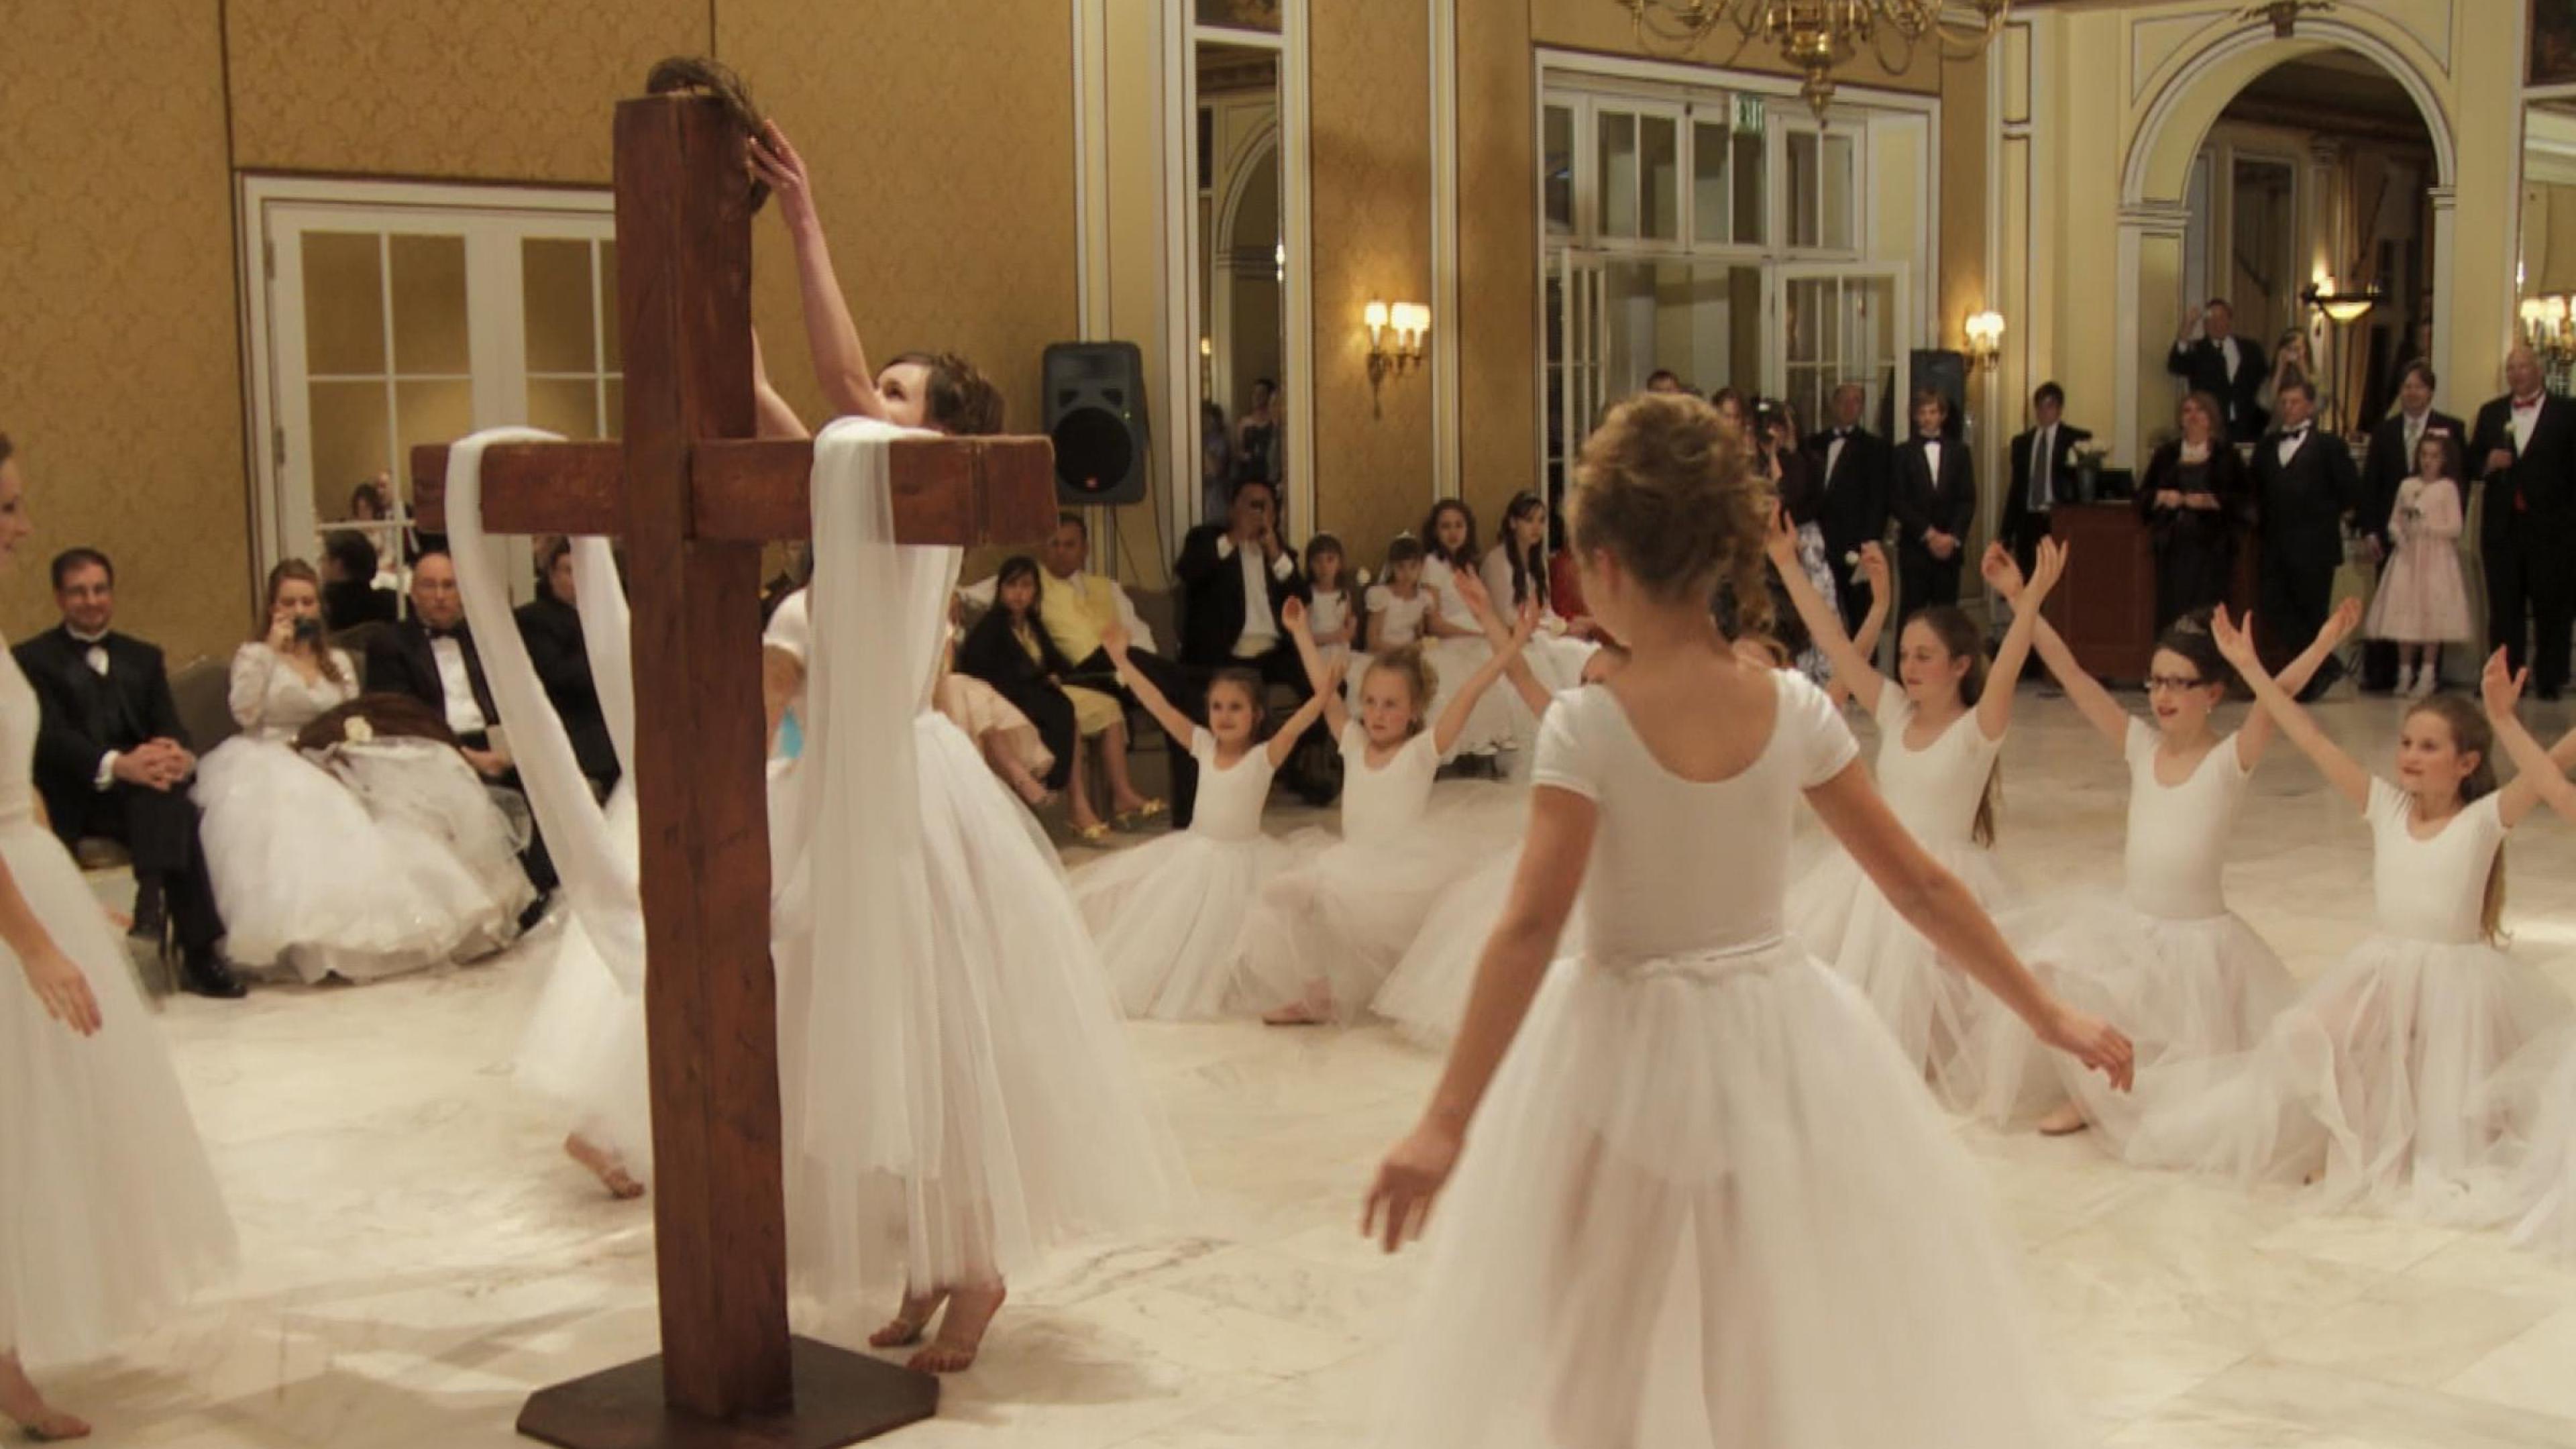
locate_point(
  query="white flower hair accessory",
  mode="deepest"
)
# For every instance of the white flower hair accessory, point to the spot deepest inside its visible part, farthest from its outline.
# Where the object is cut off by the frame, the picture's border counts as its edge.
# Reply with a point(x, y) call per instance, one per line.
point(356, 731)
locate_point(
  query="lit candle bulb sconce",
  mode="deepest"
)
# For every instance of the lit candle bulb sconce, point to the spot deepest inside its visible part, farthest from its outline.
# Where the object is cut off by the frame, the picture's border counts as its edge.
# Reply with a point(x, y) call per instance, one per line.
point(1396, 334)
point(1985, 335)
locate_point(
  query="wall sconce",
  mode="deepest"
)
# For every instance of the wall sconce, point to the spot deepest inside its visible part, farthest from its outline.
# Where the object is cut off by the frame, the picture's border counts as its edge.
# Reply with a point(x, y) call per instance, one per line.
point(1985, 332)
point(2341, 308)
point(1395, 336)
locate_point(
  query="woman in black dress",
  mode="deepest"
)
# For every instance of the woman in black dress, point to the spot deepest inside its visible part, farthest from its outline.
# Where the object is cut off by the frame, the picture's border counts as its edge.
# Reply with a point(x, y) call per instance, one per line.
point(2197, 500)
point(1011, 651)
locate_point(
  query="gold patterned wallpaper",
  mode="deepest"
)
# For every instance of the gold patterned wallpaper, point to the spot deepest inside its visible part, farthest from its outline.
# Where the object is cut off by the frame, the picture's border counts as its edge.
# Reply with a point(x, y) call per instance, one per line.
point(1371, 206)
point(121, 385)
point(1498, 341)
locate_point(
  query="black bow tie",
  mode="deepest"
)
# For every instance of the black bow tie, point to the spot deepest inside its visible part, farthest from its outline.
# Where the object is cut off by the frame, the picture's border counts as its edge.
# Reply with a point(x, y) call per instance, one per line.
point(451, 631)
point(2294, 435)
point(1842, 432)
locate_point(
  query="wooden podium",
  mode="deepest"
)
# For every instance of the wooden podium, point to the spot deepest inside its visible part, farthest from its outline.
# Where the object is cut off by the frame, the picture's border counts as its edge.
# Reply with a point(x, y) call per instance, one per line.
point(2105, 606)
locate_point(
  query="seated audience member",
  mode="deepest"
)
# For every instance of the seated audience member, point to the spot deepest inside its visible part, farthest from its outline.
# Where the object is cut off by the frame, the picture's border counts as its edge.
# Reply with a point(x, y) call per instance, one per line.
point(1012, 651)
point(352, 591)
point(112, 760)
point(1234, 575)
point(372, 501)
point(367, 859)
point(1664, 379)
point(551, 625)
point(431, 657)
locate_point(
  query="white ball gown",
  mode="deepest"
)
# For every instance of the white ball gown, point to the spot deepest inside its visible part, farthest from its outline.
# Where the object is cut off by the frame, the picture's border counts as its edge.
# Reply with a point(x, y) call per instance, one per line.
point(1344, 914)
point(960, 1097)
point(1425, 996)
point(1169, 914)
point(2184, 976)
point(109, 1213)
point(1837, 912)
point(1500, 720)
point(1705, 1200)
point(374, 858)
point(2377, 1077)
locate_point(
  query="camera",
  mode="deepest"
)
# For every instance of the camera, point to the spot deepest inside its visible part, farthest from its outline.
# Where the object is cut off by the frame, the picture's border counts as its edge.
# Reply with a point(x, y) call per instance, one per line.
point(307, 630)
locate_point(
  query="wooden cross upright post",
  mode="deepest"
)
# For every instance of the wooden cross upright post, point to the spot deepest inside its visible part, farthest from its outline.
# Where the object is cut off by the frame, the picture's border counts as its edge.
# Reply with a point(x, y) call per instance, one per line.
point(696, 501)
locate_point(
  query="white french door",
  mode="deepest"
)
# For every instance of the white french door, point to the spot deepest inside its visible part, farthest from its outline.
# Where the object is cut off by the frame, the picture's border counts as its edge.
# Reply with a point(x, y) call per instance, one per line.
point(1839, 322)
point(384, 315)
point(1579, 337)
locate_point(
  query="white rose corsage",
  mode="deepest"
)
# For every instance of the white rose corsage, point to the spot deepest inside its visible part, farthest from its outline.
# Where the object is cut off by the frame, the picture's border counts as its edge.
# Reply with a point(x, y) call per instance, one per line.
point(356, 731)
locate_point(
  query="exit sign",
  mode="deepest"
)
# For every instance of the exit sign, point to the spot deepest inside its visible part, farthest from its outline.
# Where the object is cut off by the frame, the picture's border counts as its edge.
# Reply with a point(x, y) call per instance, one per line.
point(1748, 115)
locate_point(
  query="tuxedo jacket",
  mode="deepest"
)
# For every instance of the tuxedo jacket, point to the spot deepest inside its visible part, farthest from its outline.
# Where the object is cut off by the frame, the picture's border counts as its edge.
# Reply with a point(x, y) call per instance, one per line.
point(2303, 501)
point(2386, 465)
point(399, 661)
point(1923, 501)
point(2202, 364)
point(1212, 598)
point(552, 630)
point(2061, 474)
point(83, 716)
point(1852, 503)
point(2543, 475)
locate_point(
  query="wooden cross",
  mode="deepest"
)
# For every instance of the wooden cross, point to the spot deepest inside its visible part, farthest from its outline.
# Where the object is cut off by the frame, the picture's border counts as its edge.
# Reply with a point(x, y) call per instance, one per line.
point(696, 500)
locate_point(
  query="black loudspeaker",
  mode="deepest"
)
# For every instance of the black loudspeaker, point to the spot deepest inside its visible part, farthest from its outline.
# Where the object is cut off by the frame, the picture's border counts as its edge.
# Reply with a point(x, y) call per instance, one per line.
point(1095, 412)
point(1946, 373)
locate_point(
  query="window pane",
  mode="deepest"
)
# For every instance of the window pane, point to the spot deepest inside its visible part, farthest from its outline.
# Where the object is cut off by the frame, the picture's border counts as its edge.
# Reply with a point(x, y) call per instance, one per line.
point(439, 411)
point(1556, 170)
point(349, 441)
point(1837, 226)
point(1262, 15)
point(344, 303)
point(1803, 188)
point(1660, 146)
point(1616, 175)
point(612, 356)
point(1710, 142)
point(1807, 322)
point(559, 289)
point(1752, 170)
point(429, 304)
point(566, 405)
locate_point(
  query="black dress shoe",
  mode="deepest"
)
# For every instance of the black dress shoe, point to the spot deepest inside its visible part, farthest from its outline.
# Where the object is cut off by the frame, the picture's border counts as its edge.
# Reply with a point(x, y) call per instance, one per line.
point(149, 916)
point(205, 974)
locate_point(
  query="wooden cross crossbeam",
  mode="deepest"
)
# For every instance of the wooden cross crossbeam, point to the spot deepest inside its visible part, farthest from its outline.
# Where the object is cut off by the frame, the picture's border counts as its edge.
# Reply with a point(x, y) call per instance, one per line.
point(695, 499)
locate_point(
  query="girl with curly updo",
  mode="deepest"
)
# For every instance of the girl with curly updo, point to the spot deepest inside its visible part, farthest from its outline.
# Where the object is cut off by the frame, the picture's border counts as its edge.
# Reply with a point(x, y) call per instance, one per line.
point(1694, 1074)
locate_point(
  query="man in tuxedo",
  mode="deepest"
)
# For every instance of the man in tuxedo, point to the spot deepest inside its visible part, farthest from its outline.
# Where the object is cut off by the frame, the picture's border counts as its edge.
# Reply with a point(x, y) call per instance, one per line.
point(112, 761)
point(2306, 483)
point(431, 657)
point(1234, 577)
point(2043, 474)
point(2523, 450)
point(2209, 357)
point(1936, 505)
point(2390, 462)
point(1852, 510)
point(550, 624)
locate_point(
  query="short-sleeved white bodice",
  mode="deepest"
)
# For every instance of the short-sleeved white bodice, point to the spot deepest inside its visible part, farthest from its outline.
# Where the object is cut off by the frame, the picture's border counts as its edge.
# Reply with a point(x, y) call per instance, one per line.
point(1682, 867)
point(1934, 790)
point(1440, 581)
point(1383, 802)
point(1230, 796)
point(2431, 890)
point(1400, 620)
point(2178, 833)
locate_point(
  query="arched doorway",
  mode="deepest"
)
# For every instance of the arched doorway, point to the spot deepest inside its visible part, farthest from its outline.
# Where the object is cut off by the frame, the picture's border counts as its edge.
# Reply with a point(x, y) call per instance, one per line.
point(2153, 265)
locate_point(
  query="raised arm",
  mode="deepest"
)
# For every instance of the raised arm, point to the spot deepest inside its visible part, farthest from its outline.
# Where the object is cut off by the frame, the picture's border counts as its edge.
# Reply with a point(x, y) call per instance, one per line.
point(840, 362)
point(2341, 770)
point(1824, 626)
point(1994, 706)
point(1337, 715)
point(2537, 778)
point(2085, 692)
point(1295, 726)
point(1166, 714)
point(1453, 720)
point(2256, 736)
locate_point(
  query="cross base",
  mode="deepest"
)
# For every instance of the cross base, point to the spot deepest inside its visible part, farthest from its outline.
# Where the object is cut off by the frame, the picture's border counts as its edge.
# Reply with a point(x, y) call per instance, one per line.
point(841, 1398)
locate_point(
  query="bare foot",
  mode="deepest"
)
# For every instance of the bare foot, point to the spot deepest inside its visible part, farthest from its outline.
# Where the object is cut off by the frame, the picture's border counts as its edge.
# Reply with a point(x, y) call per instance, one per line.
point(604, 1165)
point(21, 1403)
point(1127, 804)
point(1301, 1013)
point(2068, 1118)
point(1033, 792)
point(909, 1320)
point(961, 1329)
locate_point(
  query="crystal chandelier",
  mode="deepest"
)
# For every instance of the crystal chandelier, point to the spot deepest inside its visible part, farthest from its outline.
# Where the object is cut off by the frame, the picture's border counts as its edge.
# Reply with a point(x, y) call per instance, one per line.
point(1818, 35)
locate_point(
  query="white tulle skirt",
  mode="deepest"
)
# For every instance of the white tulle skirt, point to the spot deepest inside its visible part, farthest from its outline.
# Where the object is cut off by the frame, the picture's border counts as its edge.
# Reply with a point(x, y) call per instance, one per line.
point(584, 1050)
point(392, 859)
point(2376, 1081)
point(1932, 1010)
point(109, 1212)
point(2184, 991)
point(1705, 1202)
point(2537, 1091)
point(1348, 911)
point(1425, 996)
point(1044, 1130)
point(1169, 917)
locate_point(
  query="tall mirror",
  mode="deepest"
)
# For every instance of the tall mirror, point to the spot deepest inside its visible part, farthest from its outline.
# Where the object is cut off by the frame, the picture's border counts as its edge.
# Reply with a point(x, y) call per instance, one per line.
point(2545, 272)
point(1242, 250)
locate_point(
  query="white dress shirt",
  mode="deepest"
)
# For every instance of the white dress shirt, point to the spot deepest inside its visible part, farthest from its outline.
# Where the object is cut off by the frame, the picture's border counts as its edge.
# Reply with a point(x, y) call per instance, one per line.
point(95, 656)
point(2227, 349)
point(2290, 442)
point(1834, 452)
point(2526, 416)
point(1260, 625)
point(1932, 470)
point(464, 715)
point(2043, 461)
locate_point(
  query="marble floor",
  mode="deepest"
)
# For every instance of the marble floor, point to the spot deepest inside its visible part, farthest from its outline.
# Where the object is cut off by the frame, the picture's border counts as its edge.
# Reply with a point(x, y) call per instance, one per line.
point(418, 1255)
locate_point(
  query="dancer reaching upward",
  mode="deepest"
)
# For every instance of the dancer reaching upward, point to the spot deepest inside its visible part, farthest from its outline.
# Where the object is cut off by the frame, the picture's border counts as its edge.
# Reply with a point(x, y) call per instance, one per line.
point(1695, 1074)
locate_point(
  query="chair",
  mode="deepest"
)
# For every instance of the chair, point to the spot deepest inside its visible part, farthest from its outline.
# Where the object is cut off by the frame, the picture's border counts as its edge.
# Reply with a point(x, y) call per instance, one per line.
point(201, 689)
point(355, 640)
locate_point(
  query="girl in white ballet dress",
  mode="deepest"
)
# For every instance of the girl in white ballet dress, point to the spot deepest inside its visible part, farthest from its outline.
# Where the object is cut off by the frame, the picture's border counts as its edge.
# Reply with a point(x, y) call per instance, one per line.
point(1169, 914)
point(1333, 599)
point(2373, 1085)
point(1694, 1194)
point(1322, 936)
point(109, 1213)
point(2185, 976)
point(1941, 728)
